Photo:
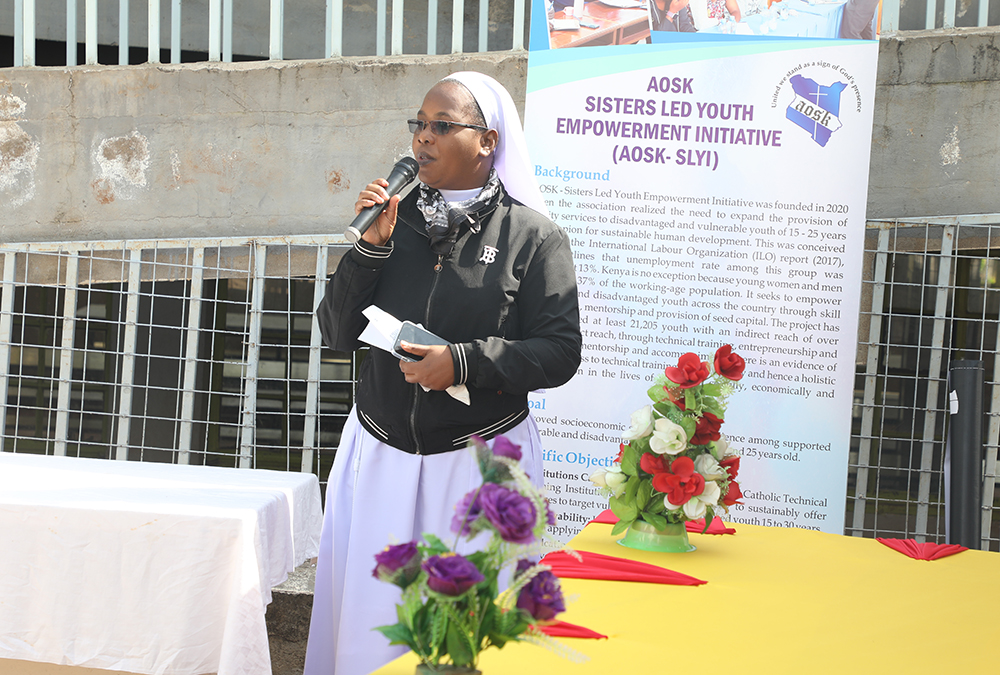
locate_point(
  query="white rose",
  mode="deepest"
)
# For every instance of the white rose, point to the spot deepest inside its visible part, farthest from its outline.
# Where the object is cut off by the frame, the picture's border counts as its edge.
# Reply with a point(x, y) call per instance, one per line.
point(642, 424)
point(709, 467)
point(710, 496)
point(697, 506)
point(599, 478)
point(722, 445)
point(694, 509)
point(615, 480)
point(668, 438)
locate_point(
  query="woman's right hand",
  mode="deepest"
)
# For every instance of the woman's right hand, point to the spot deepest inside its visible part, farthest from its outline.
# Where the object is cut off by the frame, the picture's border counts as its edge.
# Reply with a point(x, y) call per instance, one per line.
point(375, 193)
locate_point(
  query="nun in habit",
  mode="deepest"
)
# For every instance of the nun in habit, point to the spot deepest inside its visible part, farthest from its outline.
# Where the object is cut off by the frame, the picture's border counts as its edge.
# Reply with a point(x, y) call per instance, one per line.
point(472, 256)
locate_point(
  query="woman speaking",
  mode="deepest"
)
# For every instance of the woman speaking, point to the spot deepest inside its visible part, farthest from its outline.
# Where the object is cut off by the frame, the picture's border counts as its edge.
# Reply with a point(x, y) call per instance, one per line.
point(472, 256)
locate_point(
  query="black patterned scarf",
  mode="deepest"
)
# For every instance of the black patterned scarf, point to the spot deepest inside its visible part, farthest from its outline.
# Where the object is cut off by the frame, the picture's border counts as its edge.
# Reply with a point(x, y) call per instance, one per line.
point(444, 220)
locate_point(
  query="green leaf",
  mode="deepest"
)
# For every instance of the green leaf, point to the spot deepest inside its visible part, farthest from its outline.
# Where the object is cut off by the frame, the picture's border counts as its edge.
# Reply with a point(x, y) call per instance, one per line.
point(487, 625)
point(398, 634)
point(664, 408)
point(434, 545)
point(644, 493)
point(624, 510)
point(478, 558)
point(689, 425)
point(630, 458)
point(656, 393)
point(655, 504)
point(621, 526)
point(657, 521)
point(676, 415)
point(709, 514)
point(511, 624)
point(631, 488)
point(458, 646)
point(711, 389)
point(403, 615)
point(712, 406)
point(439, 625)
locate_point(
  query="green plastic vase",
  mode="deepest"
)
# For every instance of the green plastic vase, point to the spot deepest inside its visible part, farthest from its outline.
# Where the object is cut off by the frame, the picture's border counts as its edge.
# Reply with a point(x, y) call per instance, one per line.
point(644, 537)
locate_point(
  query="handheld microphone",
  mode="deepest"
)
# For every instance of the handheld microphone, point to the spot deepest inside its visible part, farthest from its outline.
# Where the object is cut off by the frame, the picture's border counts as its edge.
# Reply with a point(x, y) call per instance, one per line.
point(402, 175)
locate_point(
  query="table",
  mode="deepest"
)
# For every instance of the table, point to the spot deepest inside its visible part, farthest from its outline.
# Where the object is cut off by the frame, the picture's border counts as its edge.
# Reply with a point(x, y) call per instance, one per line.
point(818, 21)
point(615, 27)
point(777, 601)
point(146, 567)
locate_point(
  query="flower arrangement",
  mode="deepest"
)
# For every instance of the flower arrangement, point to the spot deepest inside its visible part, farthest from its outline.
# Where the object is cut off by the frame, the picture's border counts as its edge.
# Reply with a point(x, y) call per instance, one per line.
point(451, 606)
point(675, 464)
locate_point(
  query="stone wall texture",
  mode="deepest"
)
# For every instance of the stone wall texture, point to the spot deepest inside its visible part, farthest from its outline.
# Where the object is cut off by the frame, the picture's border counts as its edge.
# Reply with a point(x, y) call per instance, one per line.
point(278, 148)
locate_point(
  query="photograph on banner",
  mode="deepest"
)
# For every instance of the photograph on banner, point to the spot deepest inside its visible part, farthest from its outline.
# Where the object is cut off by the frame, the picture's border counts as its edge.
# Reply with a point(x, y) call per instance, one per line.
point(712, 197)
point(575, 23)
point(825, 19)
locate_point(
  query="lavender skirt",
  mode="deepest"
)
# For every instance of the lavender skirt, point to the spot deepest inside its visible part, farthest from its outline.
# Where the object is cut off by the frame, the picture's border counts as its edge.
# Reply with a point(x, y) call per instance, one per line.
point(379, 495)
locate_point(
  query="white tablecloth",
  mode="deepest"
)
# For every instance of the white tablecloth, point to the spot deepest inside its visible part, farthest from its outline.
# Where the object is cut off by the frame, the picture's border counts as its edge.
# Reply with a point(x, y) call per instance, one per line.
point(146, 567)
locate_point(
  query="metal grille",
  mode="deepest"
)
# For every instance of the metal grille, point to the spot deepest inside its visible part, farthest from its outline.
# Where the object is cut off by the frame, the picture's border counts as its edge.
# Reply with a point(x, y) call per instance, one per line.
point(931, 295)
point(418, 23)
point(206, 352)
point(199, 351)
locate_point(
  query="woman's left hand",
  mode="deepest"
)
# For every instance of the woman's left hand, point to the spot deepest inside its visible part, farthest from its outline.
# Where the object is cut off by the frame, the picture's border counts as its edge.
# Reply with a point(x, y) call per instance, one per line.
point(435, 371)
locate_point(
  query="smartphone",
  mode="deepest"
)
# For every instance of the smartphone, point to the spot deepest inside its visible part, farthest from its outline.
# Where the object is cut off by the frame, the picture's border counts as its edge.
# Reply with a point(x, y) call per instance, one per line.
point(417, 335)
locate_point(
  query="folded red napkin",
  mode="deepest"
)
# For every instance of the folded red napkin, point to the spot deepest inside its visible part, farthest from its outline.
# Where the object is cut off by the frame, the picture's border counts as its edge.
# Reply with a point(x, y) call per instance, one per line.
point(608, 518)
point(715, 527)
point(563, 629)
point(925, 551)
point(610, 568)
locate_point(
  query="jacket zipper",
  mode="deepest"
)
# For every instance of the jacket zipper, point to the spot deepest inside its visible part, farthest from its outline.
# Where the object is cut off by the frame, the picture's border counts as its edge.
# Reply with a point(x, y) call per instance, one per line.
point(427, 318)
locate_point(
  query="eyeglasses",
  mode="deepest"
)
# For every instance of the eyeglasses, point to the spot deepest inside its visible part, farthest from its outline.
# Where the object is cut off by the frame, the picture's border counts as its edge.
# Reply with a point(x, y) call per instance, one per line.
point(439, 127)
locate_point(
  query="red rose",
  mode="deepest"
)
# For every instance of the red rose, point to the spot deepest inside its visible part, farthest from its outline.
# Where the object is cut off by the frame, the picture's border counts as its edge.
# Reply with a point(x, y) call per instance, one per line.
point(707, 430)
point(731, 465)
point(652, 463)
point(728, 364)
point(682, 483)
point(621, 453)
point(733, 495)
point(690, 371)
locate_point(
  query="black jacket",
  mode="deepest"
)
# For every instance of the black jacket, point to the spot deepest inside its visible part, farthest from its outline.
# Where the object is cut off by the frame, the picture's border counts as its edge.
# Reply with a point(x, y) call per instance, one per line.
point(513, 323)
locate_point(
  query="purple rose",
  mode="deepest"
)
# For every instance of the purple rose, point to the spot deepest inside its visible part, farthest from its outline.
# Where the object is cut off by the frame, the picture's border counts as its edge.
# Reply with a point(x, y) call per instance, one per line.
point(398, 564)
point(510, 512)
point(542, 598)
point(466, 511)
point(504, 448)
point(451, 574)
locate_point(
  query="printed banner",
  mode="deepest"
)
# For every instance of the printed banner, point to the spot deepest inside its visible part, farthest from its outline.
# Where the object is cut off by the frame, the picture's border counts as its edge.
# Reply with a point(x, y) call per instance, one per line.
point(714, 190)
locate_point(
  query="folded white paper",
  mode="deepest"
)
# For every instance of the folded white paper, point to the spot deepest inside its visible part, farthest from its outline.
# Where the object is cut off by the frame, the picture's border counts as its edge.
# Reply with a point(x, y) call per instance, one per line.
point(381, 332)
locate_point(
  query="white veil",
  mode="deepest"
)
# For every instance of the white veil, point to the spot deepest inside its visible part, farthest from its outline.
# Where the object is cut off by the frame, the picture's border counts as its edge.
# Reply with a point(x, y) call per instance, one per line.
point(511, 156)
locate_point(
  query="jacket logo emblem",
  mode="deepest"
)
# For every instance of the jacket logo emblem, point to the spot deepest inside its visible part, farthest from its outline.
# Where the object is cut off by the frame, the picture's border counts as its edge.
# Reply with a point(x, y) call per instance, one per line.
point(489, 254)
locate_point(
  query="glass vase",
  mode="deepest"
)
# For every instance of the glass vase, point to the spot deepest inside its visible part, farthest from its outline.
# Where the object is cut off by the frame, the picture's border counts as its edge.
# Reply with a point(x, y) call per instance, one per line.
point(644, 537)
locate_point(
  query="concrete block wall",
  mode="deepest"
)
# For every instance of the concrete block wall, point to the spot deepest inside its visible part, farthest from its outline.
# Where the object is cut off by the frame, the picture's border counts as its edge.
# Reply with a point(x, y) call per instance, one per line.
point(935, 139)
point(208, 149)
point(279, 148)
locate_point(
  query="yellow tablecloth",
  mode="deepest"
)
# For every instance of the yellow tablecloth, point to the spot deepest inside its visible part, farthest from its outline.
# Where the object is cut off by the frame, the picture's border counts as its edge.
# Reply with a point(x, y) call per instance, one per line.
point(777, 601)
